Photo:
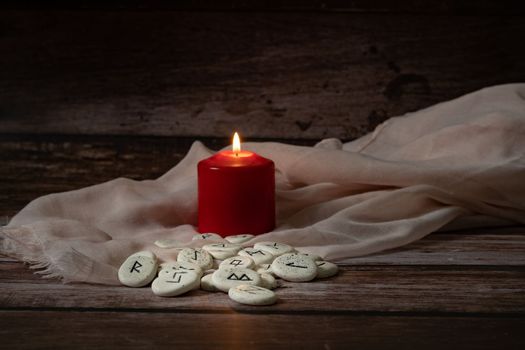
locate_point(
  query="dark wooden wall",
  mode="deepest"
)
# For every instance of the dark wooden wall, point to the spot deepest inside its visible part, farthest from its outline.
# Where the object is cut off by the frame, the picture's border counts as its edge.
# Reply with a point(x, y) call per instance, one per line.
point(91, 90)
point(281, 69)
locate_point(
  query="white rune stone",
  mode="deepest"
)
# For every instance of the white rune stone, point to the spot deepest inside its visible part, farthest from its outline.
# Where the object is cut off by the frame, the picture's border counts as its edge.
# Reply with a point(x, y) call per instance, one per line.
point(258, 256)
point(252, 295)
point(206, 236)
point(238, 239)
point(168, 243)
point(268, 281)
point(207, 284)
point(180, 265)
point(227, 278)
point(238, 261)
point(326, 269)
point(294, 267)
point(175, 283)
point(274, 248)
point(222, 251)
point(196, 256)
point(137, 271)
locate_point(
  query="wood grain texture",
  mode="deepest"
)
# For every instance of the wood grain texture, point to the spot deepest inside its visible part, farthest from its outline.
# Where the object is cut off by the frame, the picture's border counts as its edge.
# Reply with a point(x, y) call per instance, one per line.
point(430, 289)
point(110, 330)
point(285, 75)
point(459, 248)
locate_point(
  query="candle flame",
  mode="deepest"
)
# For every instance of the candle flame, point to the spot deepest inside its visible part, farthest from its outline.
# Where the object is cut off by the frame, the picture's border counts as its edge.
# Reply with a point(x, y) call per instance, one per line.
point(236, 144)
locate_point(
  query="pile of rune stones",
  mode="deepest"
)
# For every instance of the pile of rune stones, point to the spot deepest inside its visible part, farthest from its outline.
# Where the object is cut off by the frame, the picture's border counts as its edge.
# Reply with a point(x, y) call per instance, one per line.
point(247, 274)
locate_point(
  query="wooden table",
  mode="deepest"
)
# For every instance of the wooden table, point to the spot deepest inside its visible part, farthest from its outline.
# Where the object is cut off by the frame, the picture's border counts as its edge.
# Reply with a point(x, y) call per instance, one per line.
point(462, 289)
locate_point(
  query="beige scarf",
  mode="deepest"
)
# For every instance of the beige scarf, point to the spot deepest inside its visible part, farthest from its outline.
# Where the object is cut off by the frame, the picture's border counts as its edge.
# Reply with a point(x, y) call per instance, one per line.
point(457, 164)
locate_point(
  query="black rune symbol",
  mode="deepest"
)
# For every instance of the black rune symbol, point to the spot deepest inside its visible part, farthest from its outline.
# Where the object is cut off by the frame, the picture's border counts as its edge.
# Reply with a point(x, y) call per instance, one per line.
point(135, 267)
point(292, 264)
point(234, 277)
point(253, 252)
point(176, 277)
point(196, 252)
point(236, 262)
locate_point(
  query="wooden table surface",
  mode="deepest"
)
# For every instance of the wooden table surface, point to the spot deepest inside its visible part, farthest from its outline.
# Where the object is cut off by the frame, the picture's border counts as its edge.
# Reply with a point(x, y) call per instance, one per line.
point(463, 289)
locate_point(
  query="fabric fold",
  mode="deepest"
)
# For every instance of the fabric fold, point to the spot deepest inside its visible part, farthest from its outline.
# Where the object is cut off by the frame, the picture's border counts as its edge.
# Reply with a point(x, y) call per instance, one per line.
point(456, 164)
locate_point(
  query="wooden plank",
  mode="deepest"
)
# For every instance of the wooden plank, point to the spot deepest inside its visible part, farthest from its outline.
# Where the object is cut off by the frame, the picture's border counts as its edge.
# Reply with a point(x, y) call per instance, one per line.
point(286, 75)
point(77, 162)
point(461, 248)
point(430, 289)
point(486, 7)
point(109, 330)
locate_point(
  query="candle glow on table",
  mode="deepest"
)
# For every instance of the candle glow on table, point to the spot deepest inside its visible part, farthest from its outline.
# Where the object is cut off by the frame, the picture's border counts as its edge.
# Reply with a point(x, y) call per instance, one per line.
point(236, 192)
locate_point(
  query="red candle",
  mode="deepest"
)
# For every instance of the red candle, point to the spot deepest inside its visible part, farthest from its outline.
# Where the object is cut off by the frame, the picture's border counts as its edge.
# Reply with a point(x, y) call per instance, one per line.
point(236, 193)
